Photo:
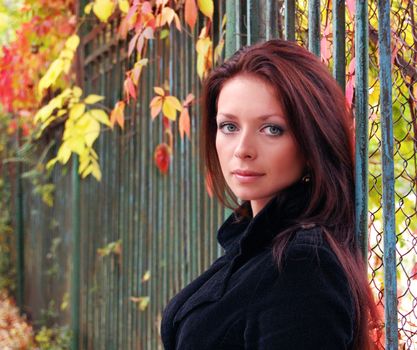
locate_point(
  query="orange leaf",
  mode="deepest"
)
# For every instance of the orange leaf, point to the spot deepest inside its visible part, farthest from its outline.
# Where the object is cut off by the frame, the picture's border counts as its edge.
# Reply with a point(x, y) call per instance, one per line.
point(184, 123)
point(190, 97)
point(190, 13)
point(156, 105)
point(158, 90)
point(162, 157)
point(117, 114)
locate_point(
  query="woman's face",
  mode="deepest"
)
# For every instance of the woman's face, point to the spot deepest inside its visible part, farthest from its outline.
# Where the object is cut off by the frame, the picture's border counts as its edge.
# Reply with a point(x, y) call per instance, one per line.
point(257, 152)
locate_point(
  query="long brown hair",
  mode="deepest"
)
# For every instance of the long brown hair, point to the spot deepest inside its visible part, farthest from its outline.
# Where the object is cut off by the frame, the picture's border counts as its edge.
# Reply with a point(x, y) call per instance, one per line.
point(322, 125)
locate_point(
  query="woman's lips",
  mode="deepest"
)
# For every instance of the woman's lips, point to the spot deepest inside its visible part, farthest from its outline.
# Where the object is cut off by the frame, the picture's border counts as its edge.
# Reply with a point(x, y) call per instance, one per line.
point(246, 176)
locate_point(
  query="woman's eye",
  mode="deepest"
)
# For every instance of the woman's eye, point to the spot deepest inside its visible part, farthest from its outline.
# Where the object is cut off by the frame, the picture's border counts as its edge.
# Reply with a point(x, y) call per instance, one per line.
point(227, 127)
point(273, 130)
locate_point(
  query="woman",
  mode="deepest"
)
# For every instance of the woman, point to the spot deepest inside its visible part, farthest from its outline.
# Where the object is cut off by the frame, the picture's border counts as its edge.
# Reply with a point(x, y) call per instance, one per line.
point(278, 136)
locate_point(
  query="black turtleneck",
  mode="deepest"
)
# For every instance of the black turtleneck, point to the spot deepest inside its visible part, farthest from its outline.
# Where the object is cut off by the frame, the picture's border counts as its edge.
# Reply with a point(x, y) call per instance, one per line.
point(243, 302)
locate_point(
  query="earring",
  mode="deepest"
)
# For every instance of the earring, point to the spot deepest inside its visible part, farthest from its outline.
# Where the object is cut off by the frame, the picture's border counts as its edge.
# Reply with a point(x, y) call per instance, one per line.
point(306, 178)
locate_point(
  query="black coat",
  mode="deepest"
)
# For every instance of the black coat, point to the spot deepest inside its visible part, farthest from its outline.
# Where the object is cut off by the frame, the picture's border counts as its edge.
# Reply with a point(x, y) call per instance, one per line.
point(243, 302)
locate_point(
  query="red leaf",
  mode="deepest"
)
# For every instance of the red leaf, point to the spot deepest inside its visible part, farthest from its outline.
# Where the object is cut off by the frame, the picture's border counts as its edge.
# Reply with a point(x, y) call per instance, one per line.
point(130, 89)
point(166, 123)
point(190, 13)
point(162, 157)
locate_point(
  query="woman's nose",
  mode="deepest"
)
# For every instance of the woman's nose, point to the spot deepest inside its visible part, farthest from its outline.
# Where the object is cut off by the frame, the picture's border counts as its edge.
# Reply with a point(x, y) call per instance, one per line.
point(245, 149)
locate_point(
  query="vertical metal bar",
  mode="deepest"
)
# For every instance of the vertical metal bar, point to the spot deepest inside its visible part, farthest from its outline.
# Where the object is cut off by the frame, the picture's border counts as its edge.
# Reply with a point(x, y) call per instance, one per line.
point(339, 62)
point(271, 19)
point(314, 26)
point(361, 122)
point(20, 244)
point(75, 283)
point(232, 33)
point(253, 21)
point(290, 20)
point(388, 195)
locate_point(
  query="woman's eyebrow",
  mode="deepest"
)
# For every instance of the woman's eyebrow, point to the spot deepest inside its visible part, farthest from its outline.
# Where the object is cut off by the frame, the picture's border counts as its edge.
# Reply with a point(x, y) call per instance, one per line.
point(261, 117)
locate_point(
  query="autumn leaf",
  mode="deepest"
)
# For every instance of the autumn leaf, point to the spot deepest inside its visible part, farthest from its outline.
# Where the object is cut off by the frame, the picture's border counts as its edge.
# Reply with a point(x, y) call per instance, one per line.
point(184, 123)
point(91, 99)
point(142, 302)
point(117, 114)
point(204, 53)
point(103, 9)
point(72, 42)
point(146, 276)
point(100, 115)
point(129, 88)
point(206, 7)
point(190, 13)
point(190, 98)
point(76, 111)
point(137, 70)
point(162, 157)
point(169, 104)
point(156, 106)
point(170, 107)
point(325, 44)
point(124, 6)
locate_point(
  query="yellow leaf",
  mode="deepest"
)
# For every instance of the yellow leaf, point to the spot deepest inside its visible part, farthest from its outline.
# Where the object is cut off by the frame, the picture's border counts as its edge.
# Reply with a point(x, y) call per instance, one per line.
point(173, 101)
point(224, 20)
point(169, 111)
point(87, 171)
point(64, 153)
point(51, 163)
point(124, 6)
point(206, 7)
point(76, 144)
point(43, 113)
point(92, 131)
point(103, 9)
point(91, 99)
point(77, 111)
point(51, 75)
point(158, 90)
point(142, 302)
point(146, 276)
point(96, 172)
point(72, 42)
point(77, 92)
point(88, 8)
point(83, 164)
point(100, 116)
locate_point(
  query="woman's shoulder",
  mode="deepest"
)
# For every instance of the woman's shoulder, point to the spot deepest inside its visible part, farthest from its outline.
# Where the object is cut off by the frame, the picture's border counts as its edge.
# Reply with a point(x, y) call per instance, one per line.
point(308, 297)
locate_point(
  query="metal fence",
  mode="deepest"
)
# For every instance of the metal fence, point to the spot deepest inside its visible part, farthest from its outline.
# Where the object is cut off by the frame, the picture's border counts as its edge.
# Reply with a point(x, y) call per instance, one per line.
point(141, 236)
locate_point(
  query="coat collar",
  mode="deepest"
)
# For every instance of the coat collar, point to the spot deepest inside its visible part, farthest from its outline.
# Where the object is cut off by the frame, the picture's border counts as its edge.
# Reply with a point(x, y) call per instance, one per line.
point(240, 236)
point(244, 234)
